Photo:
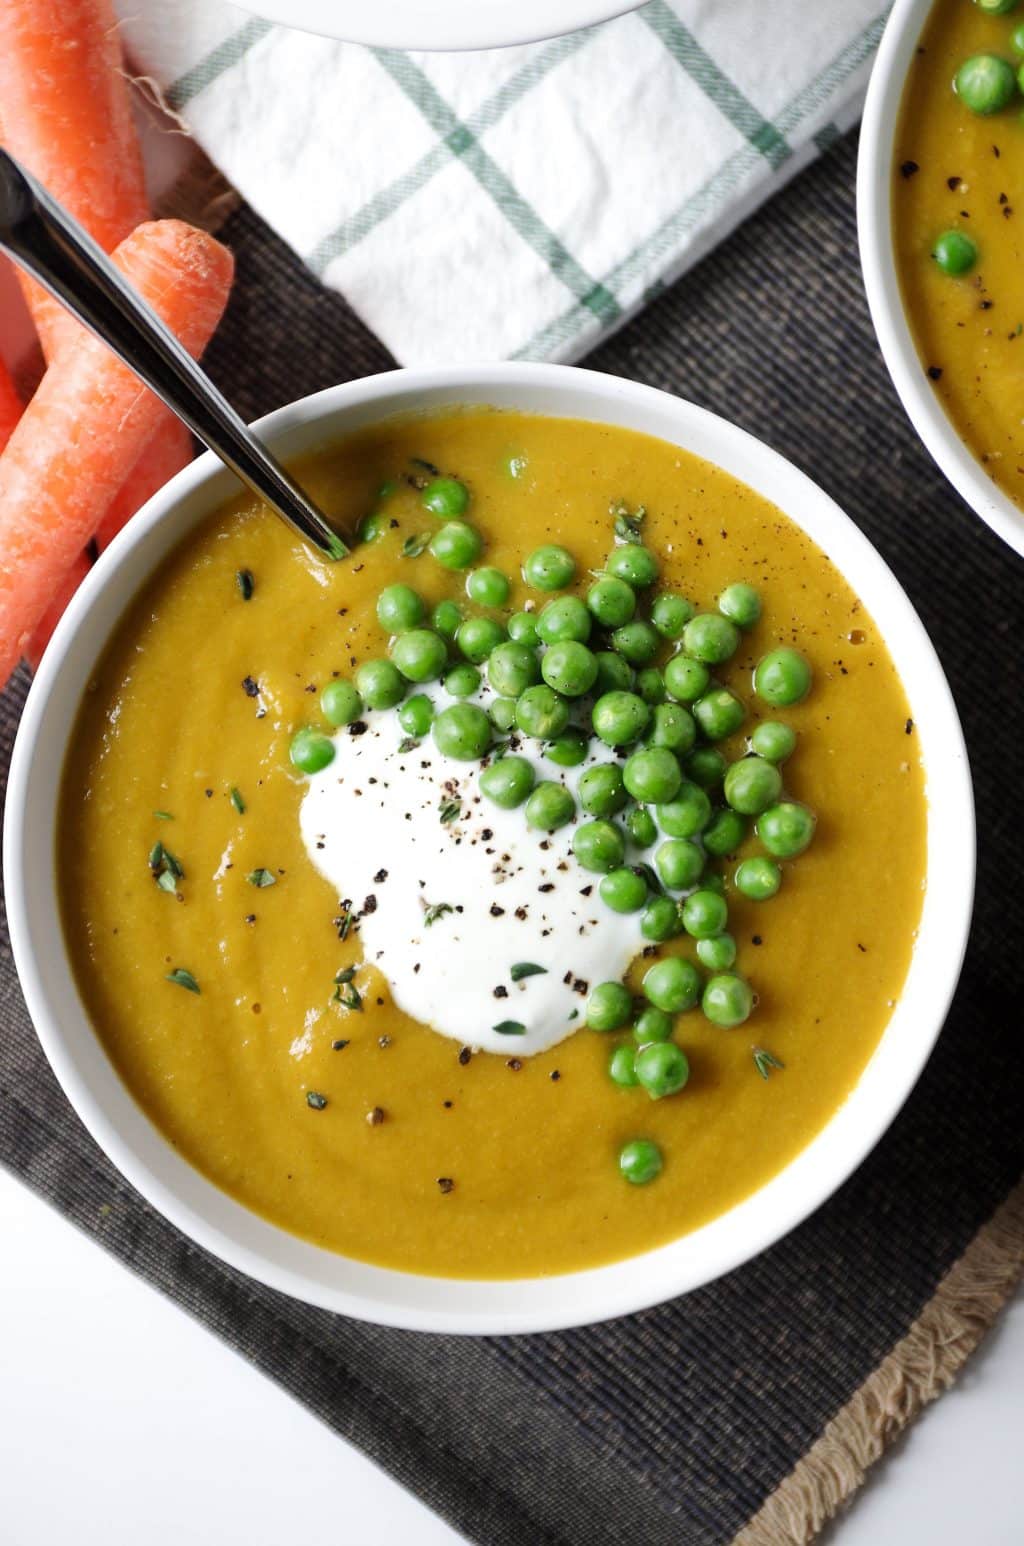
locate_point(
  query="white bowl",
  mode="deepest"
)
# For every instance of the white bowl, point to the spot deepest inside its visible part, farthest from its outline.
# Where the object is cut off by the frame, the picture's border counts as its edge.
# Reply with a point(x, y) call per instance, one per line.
point(443, 24)
point(874, 223)
point(318, 1276)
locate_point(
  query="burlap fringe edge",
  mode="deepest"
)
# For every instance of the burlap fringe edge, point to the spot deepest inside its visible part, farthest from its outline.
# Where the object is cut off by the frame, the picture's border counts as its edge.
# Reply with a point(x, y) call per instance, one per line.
point(919, 1368)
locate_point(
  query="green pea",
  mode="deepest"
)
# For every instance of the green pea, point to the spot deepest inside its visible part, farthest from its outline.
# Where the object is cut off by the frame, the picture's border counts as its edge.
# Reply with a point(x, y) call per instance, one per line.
point(456, 545)
point(624, 891)
point(670, 614)
point(724, 833)
point(609, 1006)
point(652, 775)
point(719, 713)
point(685, 679)
point(672, 727)
point(660, 920)
point(445, 497)
point(727, 1000)
point(672, 984)
point(508, 781)
point(564, 618)
point(637, 642)
point(503, 713)
point(380, 684)
point(640, 1161)
point(705, 766)
point(633, 563)
point(710, 638)
point(613, 673)
point(601, 790)
point(569, 667)
point(340, 704)
point(550, 806)
point(599, 846)
point(416, 715)
point(782, 677)
point(640, 826)
point(621, 1069)
point(650, 684)
point(985, 83)
point(462, 731)
point(662, 1069)
point(786, 829)
point(487, 587)
point(704, 914)
point(1017, 39)
point(751, 785)
point(568, 750)
point(462, 681)
point(398, 608)
point(311, 751)
point(620, 718)
point(740, 604)
point(420, 654)
point(478, 636)
point(611, 601)
point(652, 1025)
point(773, 740)
point(549, 568)
point(686, 815)
point(955, 253)
point(679, 863)
point(996, 7)
point(522, 627)
point(758, 879)
point(541, 712)
point(512, 668)
point(372, 526)
point(717, 953)
point(445, 619)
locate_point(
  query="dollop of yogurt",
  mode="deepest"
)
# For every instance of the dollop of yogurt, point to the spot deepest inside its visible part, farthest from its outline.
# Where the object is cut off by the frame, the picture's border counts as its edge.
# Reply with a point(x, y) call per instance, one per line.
point(455, 896)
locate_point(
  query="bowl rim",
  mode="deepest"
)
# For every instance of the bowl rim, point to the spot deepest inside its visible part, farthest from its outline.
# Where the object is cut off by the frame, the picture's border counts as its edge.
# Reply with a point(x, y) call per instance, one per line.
point(881, 282)
point(456, 26)
point(216, 1222)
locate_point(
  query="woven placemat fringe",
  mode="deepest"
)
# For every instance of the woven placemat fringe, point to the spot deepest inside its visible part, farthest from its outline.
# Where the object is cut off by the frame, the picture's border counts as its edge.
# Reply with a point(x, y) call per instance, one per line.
point(920, 1367)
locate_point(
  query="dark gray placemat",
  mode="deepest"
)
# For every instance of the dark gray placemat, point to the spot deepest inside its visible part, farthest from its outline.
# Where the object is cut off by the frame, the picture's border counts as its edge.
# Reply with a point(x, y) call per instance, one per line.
point(671, 1426)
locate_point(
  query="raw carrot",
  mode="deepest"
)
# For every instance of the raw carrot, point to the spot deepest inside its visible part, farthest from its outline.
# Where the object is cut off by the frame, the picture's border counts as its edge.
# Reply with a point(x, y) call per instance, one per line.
point(65, 113)
point(168, 451)
point(165, 455)
point(10, 406)
point(85, 428)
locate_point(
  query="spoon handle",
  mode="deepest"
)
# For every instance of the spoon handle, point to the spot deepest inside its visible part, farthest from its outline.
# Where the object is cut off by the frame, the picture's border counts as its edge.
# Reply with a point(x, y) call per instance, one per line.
point(45, 241)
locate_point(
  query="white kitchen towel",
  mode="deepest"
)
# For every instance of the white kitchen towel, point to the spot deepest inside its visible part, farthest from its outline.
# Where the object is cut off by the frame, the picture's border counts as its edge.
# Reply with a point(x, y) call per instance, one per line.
point(518, 203)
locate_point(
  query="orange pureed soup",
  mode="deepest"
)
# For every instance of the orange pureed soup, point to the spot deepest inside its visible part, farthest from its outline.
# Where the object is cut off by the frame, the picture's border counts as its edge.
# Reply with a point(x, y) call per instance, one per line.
point(291, 1078)
point(961, 172)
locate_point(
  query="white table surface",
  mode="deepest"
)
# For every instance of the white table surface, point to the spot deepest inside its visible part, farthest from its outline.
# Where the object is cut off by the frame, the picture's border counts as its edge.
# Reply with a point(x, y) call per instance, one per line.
point(123, 1420)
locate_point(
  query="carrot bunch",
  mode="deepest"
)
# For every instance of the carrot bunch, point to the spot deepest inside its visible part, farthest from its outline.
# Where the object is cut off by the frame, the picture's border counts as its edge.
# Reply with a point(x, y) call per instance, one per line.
point(93, 444)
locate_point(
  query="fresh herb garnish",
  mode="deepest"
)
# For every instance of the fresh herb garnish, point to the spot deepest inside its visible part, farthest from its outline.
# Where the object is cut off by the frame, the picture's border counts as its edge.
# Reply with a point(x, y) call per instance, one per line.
point(348, 994)
point(343, 922)
point(651, 876)
point(627, 522)
point(765, 1061)
point(413, 546)
point(163, 815)
point(316, 1100)
point(182, 979)
point(346, 974)
point(509, 1028)
point(237, 801)
point(409, 744)
point(523, 969)
point(421, 461)
point(246, 584)
point(165, 869)
point(450, 810)
point(261, 878)
point(436, 911)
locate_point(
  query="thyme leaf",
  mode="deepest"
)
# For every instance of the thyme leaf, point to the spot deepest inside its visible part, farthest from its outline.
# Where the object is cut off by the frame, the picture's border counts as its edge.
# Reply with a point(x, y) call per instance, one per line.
point(765, 1061)
point(450, 810)
point(246, 584)
point(413, 546)
point(237, 801)
point(523, 969)
point(627, 522)
point(437, 910)
point(182, 979)
point(261, 878)
point(315, 1100)
point(509, 1028)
